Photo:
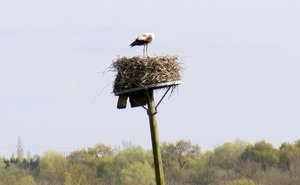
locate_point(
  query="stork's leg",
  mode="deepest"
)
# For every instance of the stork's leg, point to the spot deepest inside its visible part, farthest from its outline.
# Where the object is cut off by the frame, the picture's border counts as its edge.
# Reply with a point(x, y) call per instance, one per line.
point(144, 50)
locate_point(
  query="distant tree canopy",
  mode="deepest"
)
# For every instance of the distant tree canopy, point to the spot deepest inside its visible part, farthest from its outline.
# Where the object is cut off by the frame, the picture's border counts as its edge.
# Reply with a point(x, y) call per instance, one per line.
point(262, 153)
point(225, 155)
point(137, 173)
point(237, 163)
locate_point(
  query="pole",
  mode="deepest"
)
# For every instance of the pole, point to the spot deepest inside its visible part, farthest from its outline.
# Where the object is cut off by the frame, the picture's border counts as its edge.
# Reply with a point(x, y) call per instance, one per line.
point(159, 173)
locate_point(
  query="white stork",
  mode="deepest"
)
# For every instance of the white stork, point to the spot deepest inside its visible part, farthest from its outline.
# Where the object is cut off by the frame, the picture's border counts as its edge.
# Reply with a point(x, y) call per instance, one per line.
point(143, 40)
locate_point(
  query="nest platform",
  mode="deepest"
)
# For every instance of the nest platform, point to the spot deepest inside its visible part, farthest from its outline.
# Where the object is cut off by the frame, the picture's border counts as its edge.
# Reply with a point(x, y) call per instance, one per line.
point(135, 76)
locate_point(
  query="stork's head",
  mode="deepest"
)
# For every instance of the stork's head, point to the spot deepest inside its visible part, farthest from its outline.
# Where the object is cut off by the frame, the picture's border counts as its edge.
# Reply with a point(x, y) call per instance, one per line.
point(150, 35)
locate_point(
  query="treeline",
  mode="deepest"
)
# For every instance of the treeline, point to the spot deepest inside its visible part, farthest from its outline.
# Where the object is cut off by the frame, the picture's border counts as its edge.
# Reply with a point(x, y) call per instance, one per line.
point(236, 163)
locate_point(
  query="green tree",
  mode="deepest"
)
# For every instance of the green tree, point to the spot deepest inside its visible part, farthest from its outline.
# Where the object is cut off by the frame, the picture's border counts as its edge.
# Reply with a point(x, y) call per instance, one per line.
point(177, 159)
point(199, 171)
point(124, 158)
point(97, 162)
point(101, 150)
point(92, 155)
point(79, 174)
point(105, 170)
point(262, 153)
point(138, 174)
point(15, 176)
point(52, 166)
point(34, 165)
point(289, 156)
point(82, 156)
point(132, 154)
point(227, 155)
point(178, 155)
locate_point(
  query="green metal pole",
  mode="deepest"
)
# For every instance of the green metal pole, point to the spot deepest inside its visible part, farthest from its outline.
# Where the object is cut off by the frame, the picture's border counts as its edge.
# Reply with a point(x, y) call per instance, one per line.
point(159, 173)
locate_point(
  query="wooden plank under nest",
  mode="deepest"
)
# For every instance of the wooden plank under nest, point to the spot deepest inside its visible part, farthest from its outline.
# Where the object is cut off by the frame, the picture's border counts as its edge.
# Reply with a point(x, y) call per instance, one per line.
point(152, 86)
point(122, 102)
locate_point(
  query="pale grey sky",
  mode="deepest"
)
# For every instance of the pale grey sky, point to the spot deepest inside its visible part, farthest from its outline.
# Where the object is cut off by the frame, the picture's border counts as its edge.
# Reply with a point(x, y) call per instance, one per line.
point(241, 77)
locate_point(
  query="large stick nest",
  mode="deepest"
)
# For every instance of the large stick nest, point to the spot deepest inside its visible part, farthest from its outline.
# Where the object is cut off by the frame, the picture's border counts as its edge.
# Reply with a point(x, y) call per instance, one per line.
point(137, 71)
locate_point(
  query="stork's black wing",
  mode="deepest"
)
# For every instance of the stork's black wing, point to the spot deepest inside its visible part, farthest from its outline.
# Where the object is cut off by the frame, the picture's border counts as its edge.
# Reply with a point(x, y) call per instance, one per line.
point(138, 42)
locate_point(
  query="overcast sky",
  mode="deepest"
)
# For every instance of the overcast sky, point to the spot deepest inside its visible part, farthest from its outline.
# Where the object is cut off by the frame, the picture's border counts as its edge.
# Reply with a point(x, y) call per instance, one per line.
point(241, 77)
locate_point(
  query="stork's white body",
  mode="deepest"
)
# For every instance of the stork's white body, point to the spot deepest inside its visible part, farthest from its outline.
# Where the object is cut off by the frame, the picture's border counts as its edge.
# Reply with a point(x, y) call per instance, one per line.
point(143, 40)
